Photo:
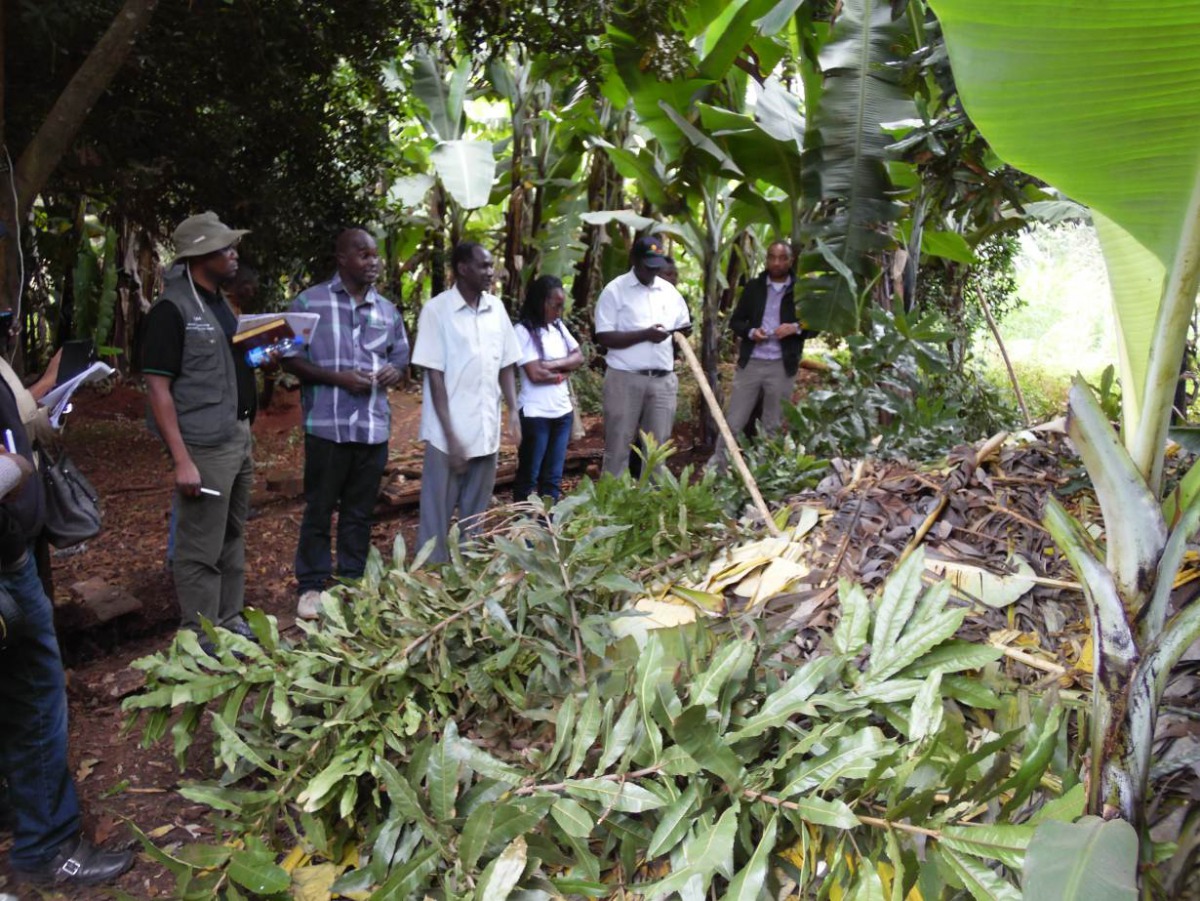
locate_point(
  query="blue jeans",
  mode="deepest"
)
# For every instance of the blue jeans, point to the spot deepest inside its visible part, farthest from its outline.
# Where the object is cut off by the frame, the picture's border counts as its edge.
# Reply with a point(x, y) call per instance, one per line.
point(33, 727)
point(541, 456)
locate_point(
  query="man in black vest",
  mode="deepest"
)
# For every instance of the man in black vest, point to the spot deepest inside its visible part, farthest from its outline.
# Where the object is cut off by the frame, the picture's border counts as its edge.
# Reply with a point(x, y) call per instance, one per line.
point(772, 340)
point(47, 847)
point(202, 400)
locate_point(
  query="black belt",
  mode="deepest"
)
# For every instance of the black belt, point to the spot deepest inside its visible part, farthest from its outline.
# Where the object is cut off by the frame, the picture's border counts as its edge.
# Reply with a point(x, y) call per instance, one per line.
point(653, 373)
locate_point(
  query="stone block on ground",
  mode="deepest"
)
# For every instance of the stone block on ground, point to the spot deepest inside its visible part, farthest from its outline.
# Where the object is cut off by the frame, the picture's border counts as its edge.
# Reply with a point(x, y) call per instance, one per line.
point(105, 602)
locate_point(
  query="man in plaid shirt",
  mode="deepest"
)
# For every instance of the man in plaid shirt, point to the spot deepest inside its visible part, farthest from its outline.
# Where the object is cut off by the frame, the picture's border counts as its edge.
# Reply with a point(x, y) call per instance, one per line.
point(358, 351)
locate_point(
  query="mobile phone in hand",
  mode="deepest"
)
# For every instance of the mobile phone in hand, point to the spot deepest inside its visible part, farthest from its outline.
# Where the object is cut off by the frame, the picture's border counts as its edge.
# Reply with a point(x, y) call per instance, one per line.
point(76, 356)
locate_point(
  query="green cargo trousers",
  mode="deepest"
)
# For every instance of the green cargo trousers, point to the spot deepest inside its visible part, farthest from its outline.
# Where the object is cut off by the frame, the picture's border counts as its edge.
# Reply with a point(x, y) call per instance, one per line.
point(210, 538)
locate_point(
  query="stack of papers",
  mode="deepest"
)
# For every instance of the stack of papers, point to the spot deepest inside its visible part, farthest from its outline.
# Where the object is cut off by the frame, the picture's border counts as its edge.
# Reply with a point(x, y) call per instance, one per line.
point(59, 399)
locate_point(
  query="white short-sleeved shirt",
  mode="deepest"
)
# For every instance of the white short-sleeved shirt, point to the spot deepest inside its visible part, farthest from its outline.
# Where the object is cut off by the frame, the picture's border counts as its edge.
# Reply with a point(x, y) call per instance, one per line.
point(545, 401)
point(626, 305)
point(469, 347)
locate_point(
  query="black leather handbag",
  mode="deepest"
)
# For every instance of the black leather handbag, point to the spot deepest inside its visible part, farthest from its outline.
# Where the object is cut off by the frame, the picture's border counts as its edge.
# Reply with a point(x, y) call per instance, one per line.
point(72, 504)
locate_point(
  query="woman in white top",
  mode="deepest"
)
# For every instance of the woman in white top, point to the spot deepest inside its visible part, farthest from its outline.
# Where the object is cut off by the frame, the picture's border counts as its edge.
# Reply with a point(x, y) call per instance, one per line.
point(548, 354)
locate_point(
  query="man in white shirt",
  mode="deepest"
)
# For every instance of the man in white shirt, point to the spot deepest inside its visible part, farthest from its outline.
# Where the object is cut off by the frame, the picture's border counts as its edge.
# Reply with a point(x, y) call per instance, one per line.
point(469, 351)
point(635, 316)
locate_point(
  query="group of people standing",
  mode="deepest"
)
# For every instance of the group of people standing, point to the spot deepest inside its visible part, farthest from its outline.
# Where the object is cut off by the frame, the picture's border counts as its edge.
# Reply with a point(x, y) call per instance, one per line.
point(202, 402)
point(202, 397)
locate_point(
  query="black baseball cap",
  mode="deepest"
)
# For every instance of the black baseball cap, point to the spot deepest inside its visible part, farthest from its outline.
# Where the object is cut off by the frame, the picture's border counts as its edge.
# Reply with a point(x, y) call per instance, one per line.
point(651, 251)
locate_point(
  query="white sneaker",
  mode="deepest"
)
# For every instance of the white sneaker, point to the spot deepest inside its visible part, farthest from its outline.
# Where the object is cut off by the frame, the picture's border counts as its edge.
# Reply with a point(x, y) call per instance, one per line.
point(309, 606)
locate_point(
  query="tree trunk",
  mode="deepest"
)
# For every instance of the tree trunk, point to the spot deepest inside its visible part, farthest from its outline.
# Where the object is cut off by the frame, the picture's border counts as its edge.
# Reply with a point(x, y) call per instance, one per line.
point(515, 226)
point(43, 153)
point(71, 109)
point(604, 192)
point(710, 341)
point(437, 233)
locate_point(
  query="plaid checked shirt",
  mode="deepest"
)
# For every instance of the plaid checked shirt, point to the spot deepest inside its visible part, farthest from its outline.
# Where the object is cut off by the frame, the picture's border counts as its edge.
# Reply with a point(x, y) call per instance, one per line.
point(350, 335)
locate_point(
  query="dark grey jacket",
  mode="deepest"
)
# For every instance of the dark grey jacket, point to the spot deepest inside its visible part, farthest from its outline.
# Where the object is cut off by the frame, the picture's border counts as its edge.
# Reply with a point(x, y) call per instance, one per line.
point(205, 391)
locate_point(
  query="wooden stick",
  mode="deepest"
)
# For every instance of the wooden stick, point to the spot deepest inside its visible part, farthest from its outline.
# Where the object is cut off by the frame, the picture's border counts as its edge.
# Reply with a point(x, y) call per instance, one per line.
point(1012, 374)
point(1045, 666)
point(723, 426)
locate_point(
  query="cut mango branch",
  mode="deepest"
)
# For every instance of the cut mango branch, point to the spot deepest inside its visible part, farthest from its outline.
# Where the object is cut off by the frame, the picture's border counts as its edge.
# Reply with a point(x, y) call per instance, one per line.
point(533, 788)
point(988, 448)
point(865, 820)
point(566, 577)
point(730, 444)
point(417, 642)
point(687, 556)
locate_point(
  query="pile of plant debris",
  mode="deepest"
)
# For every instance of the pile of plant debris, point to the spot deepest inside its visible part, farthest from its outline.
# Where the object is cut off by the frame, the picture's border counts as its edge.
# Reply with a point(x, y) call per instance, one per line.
point(635, 697)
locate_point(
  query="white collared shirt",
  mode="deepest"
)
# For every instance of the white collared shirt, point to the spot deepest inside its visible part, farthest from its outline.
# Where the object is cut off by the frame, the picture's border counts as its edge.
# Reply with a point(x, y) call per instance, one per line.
point(469, 347)
point(626, 305)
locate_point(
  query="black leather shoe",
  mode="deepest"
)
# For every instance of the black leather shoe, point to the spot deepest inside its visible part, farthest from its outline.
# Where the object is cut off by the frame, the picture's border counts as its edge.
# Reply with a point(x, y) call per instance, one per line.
point(79, 862)
point(239, 626)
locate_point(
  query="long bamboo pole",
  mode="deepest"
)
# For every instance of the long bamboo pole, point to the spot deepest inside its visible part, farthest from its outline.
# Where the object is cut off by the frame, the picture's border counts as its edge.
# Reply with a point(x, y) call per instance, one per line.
point(1012, 373)
point(719, 417)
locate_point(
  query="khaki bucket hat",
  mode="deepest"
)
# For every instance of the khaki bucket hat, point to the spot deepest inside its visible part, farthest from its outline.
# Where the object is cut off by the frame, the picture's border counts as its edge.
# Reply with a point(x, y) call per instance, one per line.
point(202, 234)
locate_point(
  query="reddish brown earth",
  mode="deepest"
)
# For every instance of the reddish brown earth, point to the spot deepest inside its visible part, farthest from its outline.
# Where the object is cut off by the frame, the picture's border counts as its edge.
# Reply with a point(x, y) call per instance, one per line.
point(118, 780)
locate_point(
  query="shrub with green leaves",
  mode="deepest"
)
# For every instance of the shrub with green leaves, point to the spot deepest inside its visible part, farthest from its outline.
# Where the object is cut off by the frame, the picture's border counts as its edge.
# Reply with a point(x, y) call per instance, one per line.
point(658, 513)
point(898, 397)
point(780, 468)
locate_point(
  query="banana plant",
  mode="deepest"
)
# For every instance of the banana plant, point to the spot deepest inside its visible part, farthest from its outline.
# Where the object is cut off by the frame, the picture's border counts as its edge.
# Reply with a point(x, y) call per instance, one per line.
point(1102, 100)
point(553, 117)
point(465, 167)
point(846, 155)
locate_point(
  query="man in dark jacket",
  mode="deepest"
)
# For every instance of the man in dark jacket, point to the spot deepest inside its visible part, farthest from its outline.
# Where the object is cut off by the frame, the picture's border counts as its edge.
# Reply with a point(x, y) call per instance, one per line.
point(47, 847)
point(772, 340)
point(202, 401)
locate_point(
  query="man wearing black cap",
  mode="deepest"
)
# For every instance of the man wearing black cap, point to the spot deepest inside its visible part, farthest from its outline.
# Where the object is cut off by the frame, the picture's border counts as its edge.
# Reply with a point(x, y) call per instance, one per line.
point(635, 316)
point(202, 399)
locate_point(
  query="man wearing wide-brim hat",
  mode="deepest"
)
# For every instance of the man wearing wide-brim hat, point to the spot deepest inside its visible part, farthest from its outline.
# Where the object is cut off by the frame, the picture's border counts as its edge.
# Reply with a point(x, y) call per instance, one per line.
point(202, 401)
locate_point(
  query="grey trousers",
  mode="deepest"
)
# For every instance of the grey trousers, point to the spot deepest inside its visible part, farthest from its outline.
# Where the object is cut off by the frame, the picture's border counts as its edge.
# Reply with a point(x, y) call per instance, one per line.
point(443, 490)
point(765, 377)
point(635, 403)
point(210, 536)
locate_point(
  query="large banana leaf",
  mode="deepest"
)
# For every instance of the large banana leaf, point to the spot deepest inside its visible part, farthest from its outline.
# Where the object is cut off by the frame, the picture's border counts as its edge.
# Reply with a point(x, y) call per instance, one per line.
point(727, 36)
point(1102, 100)
point(763, 157)
point(467, 169)
point(847, 151)
point(1091, 860)
point(442, 97)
